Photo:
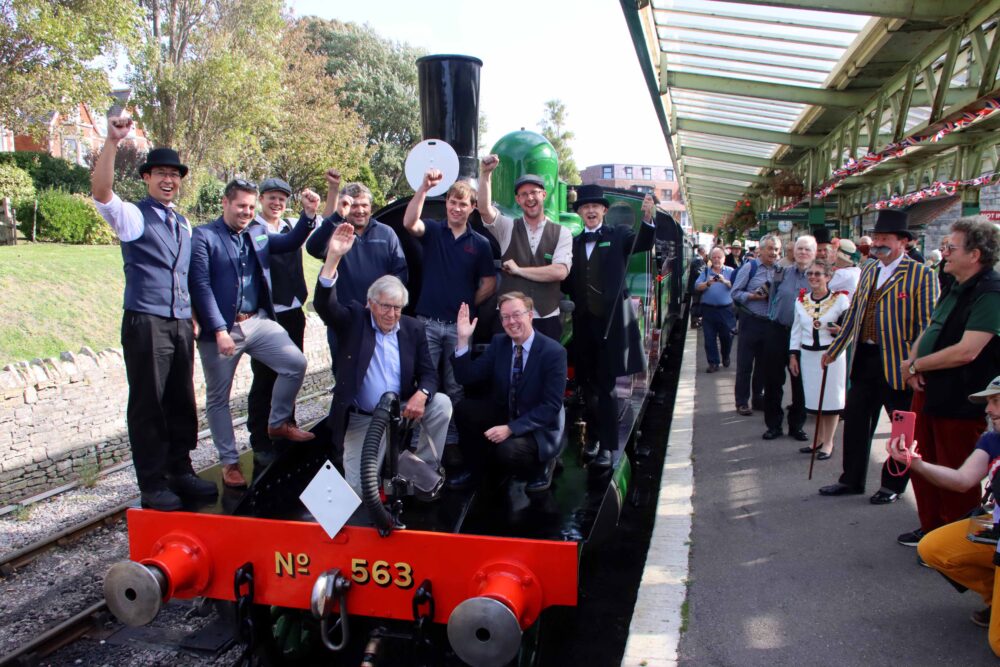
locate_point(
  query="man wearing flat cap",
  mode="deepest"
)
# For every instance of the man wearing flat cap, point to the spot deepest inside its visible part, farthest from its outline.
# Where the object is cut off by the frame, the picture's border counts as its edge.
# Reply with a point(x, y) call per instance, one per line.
point(157, 330)
point(606, 338)
point(536, 253)
point(891, 306)
point(289, 293)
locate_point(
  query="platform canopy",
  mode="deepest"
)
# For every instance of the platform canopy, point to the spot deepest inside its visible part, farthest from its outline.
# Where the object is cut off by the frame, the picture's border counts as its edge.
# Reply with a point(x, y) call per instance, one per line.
point(860, 102)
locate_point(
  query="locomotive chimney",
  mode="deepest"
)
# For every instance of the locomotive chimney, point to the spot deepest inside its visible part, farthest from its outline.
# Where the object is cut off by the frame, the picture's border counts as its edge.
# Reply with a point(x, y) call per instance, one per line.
point(449, 106)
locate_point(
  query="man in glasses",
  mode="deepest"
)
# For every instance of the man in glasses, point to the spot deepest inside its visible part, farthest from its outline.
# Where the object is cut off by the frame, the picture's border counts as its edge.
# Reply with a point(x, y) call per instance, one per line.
point(536, 252)
point(157, 330)
point(384, 351)
point(521, 424)
point(233, 300)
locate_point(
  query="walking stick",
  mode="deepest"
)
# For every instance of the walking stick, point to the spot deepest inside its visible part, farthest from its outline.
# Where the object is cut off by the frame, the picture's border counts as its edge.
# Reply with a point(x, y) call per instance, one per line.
point(819, 414)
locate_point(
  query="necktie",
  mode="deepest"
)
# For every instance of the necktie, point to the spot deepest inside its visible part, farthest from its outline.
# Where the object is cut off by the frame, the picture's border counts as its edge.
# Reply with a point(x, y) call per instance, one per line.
point(515, 378)
point(591, 237)
point(171, 218)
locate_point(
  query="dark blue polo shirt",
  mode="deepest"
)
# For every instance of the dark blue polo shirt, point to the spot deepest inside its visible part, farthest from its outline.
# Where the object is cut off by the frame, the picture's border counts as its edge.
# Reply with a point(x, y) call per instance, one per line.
point(452, 269)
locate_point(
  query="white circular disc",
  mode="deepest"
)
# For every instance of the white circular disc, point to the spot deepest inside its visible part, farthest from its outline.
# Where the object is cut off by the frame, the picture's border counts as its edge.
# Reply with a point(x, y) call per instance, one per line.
point(432, 153)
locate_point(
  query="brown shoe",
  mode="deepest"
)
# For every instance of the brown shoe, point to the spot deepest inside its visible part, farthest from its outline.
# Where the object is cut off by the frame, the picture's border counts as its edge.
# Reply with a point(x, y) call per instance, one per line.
point(289, 431)
point(232, 476)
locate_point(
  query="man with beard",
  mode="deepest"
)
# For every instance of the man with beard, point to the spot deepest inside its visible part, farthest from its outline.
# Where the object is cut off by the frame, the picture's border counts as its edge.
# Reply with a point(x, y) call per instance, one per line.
point(891, 306)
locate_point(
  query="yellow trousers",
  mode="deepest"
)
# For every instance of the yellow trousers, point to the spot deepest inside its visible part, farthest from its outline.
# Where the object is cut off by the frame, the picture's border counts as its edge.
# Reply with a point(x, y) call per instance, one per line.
point(947, 550)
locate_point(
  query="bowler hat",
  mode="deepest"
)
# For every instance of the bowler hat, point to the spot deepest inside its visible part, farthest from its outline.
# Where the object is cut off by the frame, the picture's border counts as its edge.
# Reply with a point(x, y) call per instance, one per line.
point(590, 194)
point(163, 157)
point(892, 222)
point(821, 234)
point(269, 184)
point(534, 179)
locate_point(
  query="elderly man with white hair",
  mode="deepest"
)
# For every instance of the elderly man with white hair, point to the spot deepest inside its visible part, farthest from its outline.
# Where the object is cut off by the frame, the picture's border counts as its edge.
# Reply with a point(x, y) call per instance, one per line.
point(384, 350)
point(785, 288)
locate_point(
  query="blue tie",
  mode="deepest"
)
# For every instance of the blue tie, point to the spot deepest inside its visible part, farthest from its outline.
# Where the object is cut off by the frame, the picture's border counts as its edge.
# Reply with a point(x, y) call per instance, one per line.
point(515, 379)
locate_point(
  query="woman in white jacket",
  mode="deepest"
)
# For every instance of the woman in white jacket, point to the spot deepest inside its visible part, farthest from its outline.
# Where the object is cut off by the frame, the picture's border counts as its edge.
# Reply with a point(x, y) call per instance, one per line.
point(818, 314)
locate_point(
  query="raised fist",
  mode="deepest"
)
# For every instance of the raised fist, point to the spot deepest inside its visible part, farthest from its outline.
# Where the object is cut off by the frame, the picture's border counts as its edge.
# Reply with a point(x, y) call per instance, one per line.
point(119, 127)
point(431, 179)
point(488, 164)
point(344, 205)
point(333, 179)
point(310, 202)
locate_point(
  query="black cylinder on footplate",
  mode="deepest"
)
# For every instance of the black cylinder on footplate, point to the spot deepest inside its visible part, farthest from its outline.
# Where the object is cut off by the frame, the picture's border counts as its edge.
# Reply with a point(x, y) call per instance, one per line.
point(449, 106)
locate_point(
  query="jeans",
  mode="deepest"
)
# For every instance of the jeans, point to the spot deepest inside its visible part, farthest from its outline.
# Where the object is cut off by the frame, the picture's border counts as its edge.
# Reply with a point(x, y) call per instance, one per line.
point(441, 339)
point(718, 323)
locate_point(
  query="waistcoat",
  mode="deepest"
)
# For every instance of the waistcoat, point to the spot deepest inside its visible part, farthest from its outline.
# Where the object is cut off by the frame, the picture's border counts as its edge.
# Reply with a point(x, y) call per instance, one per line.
point(156, 267)
point(545, 295)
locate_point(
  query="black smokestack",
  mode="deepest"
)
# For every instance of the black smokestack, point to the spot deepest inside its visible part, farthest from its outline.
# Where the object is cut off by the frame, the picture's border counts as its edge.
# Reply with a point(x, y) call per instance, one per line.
point(449, 106)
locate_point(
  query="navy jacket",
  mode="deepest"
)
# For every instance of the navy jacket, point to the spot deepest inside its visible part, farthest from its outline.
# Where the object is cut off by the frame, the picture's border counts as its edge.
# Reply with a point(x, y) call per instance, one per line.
point(214, 278)
point(540, 394)
point(356, 346)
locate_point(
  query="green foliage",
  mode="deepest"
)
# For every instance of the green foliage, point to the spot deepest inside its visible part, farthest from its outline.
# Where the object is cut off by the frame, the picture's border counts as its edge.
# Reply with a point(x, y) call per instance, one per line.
point(128, 183)
point(553, 128)
point(49, 56)
point(65, 218)
point(15, 184)
point(49, 172)
point(377, 79)
point(203, 198)
point(207, 77)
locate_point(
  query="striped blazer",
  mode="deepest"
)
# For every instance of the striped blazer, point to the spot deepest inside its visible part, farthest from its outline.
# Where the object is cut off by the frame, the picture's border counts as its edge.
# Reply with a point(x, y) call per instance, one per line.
point(901, 313)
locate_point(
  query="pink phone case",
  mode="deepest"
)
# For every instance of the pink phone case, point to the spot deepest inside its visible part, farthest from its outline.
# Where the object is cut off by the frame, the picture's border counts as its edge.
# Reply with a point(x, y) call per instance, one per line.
point(904, 423)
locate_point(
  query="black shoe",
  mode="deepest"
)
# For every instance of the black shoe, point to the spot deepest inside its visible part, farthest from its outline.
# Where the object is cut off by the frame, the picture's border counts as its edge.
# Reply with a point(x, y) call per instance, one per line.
point(744, 410)
point(922, 563)
point(190, 484)
point(591, 450)
point(604, 459)
point(725, 362)
point(884, 498)
point(911, 538)
point(263, 458)
point(543, 481)
point(807, 449)
point(823, 456)
point(799, 435)
point(462, 481)
point(772, 433)
point(163, 500)
point(712, 368)
point(982, 617)
point(839, 489)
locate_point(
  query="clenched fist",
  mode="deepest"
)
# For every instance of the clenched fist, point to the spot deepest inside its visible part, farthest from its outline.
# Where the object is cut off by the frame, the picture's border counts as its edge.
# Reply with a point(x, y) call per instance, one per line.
point(489, 163)
point(119, 127)
point(310, 202)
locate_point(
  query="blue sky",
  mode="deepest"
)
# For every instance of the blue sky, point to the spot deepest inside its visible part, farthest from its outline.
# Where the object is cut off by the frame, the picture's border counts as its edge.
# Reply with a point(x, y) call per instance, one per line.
point(532, 51)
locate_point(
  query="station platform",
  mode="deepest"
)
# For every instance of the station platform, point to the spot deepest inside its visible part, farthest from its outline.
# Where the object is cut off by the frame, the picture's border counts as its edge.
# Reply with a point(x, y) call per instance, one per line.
point(749, 565)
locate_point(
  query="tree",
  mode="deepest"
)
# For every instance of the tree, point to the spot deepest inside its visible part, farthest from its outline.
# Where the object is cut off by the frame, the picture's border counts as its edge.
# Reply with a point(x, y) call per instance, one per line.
point(377, 79)
point(48, 50)
point(15, 184)
point(207, 77)
point(313, 131)
point(553, 128)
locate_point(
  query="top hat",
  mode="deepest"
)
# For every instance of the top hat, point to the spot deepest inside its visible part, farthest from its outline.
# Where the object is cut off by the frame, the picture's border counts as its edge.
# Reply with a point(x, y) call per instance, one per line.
point(163, 157)
point(534, 179)
point(892, 222)
point(590, 194)
point(269, 184)
point(821, 234)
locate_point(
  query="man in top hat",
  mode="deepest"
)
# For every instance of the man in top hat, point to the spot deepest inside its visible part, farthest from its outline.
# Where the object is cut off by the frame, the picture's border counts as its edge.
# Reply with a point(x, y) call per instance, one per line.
point(536, 252)
point(892, 305)
point(824, 245)
point(734, 259)
point(157, 331)
point(289, 293)
point(606, 338)
point(234, 301)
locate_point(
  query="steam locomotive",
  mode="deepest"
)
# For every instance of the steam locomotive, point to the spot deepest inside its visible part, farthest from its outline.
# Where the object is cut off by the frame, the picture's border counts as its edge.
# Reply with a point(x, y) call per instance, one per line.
point(466, 580)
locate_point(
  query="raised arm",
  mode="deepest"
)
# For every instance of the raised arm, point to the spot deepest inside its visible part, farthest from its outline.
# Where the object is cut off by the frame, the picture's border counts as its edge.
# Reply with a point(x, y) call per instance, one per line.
point(411, 218)
point(283, 243)
point(103, 178)
point(486, 209)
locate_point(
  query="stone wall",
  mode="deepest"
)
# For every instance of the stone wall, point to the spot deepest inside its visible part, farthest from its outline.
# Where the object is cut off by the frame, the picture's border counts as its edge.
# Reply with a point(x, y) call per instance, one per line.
point(60, 418)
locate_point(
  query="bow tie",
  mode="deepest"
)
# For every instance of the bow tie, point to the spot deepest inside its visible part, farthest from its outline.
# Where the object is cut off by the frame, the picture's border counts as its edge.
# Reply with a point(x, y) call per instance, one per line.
point(591, 237)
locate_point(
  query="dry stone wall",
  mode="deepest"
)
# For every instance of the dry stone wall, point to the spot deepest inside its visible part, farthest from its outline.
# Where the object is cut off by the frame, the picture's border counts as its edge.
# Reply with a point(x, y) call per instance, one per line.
point(63, 418)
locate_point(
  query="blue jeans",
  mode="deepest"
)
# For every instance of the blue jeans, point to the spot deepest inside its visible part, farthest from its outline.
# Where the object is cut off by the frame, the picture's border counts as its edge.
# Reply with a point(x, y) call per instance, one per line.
point(718, 323)
point(441, 340)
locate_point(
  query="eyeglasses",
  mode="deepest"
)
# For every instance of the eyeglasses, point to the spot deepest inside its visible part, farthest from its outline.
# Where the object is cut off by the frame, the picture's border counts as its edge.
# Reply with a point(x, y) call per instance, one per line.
point(950, 247)
point(388, 307)
point(516, 315)
point(165, 173)
point(532, 193)
point(244, 184)
point(815, 274)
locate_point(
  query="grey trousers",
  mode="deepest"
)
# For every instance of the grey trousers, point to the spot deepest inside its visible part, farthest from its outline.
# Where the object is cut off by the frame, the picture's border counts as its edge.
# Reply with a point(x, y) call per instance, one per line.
point(265, 341)
point(430, 443)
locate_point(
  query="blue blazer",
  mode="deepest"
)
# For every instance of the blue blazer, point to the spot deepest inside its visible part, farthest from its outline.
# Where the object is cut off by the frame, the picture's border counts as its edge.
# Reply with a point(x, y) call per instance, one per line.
point(539, 395)
point(214, 276)
point(356, 346)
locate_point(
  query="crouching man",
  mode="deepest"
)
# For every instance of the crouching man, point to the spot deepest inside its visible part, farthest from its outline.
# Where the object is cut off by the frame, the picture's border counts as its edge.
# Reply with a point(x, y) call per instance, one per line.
point(379, 349)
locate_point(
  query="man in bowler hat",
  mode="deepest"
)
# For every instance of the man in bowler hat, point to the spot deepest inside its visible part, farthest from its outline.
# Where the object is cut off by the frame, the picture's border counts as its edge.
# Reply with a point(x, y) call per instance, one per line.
point(891, 306)
point(157, 330)
point(596, 286)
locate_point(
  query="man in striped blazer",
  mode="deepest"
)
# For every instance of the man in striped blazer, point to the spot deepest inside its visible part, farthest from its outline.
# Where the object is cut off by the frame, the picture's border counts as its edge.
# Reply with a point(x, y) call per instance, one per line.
point(891, 307)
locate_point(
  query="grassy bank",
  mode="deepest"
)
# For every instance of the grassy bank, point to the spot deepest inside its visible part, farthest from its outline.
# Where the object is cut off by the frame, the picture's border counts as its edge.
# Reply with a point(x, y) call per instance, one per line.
point(56, 298)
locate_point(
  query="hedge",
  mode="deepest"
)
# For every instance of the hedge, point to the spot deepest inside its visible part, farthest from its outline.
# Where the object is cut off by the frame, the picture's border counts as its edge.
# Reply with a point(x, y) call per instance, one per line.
point(15, 184)
point(50, 172)
point(65, 218)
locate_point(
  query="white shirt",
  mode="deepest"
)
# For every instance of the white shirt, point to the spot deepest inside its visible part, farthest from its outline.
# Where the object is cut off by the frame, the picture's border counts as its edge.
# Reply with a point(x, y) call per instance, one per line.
point(277, 229)
point(126, 219)
point(885, 271)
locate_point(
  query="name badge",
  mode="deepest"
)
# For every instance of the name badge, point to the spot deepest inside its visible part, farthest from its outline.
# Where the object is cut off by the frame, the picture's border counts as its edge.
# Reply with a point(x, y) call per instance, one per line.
point(547, 255)
point(605, 244)
point(261, 238)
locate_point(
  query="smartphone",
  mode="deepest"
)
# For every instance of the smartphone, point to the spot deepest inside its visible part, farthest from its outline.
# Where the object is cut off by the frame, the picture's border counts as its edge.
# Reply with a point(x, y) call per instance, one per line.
point(903, 423)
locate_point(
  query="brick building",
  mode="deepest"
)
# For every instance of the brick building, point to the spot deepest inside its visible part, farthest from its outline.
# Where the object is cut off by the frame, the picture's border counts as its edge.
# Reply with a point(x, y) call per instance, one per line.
point(659, 180)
